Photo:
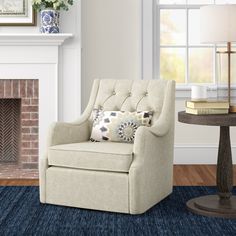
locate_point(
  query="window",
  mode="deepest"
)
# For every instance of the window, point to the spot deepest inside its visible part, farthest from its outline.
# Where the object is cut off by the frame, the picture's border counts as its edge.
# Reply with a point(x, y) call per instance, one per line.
point(181, 55)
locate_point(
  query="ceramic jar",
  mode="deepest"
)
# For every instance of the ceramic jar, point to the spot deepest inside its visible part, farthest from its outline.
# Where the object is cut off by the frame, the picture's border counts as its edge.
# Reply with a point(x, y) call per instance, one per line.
point(49, 21)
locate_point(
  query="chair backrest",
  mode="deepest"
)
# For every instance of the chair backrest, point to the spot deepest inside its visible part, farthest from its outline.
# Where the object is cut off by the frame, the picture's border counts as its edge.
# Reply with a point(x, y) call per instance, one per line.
point(129, 95)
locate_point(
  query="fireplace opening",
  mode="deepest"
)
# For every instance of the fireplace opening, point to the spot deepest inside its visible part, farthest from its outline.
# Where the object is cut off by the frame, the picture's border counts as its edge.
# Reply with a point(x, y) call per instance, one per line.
point(10, 130)
point(19, 128)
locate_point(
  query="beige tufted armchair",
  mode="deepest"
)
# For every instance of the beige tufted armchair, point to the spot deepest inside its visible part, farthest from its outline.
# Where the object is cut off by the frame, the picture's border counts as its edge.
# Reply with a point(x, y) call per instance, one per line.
point(109, 176)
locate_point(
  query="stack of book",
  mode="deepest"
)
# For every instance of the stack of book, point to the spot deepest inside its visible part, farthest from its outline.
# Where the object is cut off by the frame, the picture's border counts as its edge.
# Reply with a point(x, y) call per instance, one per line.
point(207, 107)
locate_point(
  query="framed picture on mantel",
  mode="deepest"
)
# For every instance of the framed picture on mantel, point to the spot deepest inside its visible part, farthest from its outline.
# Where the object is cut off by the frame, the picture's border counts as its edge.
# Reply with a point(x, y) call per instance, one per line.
point(17, 13)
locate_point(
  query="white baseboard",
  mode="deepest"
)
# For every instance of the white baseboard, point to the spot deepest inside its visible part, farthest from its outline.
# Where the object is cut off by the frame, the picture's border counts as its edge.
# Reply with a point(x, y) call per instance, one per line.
point(198, 154)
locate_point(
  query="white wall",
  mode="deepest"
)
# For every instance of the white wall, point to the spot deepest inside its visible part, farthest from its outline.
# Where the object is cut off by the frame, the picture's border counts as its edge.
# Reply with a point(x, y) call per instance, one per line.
point(111, 39)
point(70, 82)
point(69, 72)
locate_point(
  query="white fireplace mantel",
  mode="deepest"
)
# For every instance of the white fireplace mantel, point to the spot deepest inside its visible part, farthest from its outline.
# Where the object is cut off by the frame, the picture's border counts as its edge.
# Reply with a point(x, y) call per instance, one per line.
point(35, 56)
point(33, 39)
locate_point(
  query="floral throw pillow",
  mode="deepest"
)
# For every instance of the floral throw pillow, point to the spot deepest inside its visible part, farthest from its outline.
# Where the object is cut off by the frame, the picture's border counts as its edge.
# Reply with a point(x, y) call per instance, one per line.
point(118, 126)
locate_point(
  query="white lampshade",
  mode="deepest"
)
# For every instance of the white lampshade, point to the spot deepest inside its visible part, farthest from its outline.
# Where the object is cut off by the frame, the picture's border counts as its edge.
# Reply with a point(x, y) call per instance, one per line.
point(218, 23)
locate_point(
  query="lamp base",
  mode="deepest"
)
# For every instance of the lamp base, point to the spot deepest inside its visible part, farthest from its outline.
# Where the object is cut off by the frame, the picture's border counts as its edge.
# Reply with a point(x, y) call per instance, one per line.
point(232, 108)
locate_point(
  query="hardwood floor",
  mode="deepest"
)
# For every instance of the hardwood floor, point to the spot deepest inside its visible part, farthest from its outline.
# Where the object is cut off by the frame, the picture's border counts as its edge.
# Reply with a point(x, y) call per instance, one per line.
point(184, 175)
point(18, 182)
point(195, 175)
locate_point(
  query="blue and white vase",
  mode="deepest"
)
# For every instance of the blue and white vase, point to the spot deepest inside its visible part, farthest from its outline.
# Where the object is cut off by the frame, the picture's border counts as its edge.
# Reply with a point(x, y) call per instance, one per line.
point(49, 21)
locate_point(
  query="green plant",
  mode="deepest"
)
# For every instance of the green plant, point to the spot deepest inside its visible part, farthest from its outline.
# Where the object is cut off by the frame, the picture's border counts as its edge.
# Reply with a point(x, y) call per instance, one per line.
point(54, 4)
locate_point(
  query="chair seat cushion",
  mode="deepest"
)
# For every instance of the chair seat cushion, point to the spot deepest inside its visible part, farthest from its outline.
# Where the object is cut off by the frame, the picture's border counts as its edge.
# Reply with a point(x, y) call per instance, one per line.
point(107, 156)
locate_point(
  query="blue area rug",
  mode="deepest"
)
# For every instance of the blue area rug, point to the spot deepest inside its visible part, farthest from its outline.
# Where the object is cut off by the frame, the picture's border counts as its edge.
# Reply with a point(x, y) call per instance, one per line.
point(22, 214)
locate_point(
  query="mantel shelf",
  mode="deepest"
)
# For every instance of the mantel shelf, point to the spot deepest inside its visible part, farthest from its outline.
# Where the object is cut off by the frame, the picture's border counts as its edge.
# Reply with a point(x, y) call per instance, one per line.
point(34, 39)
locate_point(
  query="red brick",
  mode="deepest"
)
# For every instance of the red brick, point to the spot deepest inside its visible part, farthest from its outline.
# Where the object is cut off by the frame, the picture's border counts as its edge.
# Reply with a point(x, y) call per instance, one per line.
point(25, 144)
point(8, 88)
point(29, 137)
point(34, 130)
point(34, 116)
point(36, 88)
point(15, 88)
point(29, 122)
point(25, 158)
point(31, 165)
point(29, 108)
point(34, 159)
point(29, 151)
point(25, 101)
point(34, 101)
point(22, 88)
point(29, 88)
point(25, 130)
point(1, 88)
point(25, 115)
point(34, 144)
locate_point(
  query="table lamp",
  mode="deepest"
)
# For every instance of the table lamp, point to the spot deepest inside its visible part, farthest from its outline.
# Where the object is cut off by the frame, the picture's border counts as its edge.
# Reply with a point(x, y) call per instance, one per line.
point(218, 25)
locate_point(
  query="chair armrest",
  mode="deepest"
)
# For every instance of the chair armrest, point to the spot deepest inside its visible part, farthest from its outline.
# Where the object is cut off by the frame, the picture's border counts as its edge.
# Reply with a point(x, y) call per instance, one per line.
point(152, 168)
point(162, 126)
point(79, 131)
point(148, 145)
point(63, 133)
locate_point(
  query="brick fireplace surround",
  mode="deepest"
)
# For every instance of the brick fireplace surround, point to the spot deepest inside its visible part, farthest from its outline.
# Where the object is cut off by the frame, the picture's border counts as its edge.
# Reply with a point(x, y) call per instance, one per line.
point(28, 92)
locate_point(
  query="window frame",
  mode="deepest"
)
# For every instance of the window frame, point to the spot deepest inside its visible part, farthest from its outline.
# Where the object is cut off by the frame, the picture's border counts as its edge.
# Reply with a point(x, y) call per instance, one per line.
point(187, 84)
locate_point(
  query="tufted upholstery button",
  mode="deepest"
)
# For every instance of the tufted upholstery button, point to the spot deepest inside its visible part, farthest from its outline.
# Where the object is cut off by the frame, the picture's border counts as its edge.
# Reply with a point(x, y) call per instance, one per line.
point(100, 107)
point(145, 94)
point(113, 93)
point(129, 94)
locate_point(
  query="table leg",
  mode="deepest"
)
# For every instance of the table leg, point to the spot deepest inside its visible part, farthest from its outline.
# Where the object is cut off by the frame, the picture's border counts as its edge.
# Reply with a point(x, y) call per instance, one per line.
point(224, 165)
point(223, 204)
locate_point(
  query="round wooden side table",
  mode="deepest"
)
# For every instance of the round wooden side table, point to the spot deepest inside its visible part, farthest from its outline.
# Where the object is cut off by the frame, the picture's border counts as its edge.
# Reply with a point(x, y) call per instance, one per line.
point(223, 204)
